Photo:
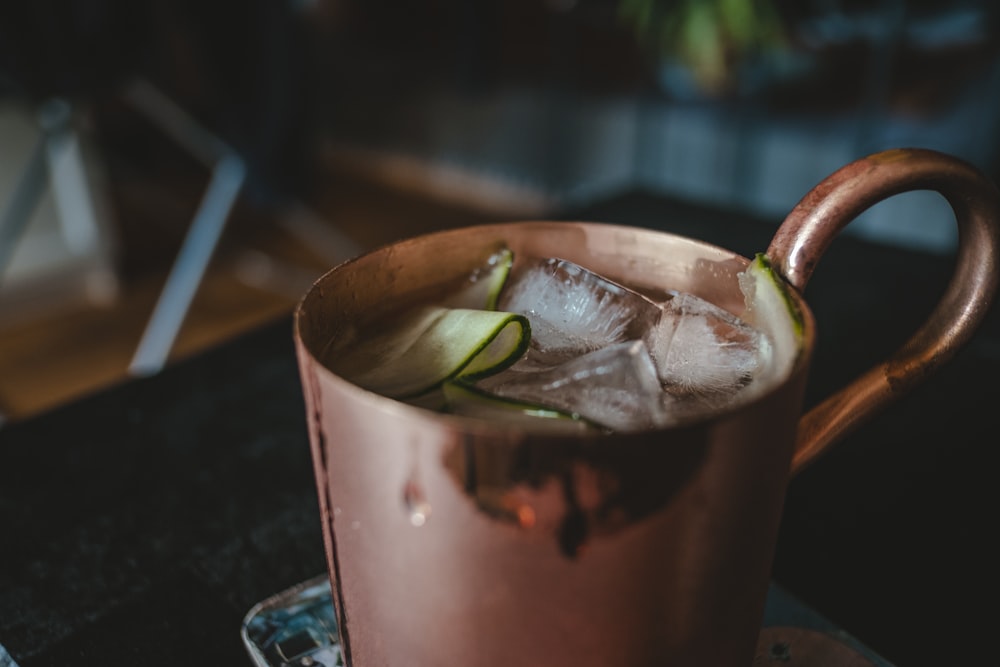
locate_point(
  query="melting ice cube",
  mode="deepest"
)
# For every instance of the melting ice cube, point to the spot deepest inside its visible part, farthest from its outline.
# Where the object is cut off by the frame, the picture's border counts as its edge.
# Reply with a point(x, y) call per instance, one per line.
point(700, 349)
point(615, 387)
point(620, 360)
point(574, 311)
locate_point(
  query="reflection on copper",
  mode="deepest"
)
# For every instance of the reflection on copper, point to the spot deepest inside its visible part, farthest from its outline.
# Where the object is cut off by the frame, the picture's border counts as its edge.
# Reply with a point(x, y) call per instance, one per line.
point(525, 516)
point(575, 488)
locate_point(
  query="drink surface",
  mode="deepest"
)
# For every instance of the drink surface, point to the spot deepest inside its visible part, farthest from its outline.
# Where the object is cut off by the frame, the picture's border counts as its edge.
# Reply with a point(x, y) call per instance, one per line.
point(548, 343)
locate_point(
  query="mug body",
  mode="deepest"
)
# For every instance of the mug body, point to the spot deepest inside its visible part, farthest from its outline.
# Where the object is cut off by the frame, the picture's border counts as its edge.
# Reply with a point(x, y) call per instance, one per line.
point(454, 541)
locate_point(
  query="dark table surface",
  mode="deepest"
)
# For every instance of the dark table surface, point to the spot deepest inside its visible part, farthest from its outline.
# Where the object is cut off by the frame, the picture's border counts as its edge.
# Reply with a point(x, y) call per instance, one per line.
point(140, 524)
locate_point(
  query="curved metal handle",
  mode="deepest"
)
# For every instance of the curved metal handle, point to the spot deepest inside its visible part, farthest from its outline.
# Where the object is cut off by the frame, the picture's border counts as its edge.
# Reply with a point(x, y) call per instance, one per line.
point(815, 221)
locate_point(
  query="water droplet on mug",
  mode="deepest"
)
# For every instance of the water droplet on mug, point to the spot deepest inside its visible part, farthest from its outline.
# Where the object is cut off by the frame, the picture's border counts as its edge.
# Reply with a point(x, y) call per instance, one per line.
point(355, 525)
point(416, 504)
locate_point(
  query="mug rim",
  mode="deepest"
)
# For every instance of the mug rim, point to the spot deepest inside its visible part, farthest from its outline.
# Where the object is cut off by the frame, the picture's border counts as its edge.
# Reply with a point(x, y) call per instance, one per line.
point(471, 424)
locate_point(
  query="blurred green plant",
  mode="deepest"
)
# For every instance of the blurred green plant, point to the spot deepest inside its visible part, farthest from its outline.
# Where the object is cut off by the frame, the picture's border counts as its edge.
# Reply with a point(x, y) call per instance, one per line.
point(712, 38)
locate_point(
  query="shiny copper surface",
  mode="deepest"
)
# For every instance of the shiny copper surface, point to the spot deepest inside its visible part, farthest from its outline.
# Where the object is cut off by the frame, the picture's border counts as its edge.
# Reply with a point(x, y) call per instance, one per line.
point(812, 225)
point(456, 542)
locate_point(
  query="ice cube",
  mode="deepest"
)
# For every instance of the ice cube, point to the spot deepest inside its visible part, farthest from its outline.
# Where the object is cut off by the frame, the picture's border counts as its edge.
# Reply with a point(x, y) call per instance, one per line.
point(573, 311)
point(615, 387)
point(702, 350)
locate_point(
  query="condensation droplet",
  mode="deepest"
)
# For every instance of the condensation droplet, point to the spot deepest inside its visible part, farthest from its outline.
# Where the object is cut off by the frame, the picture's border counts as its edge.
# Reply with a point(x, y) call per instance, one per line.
point(416, 504)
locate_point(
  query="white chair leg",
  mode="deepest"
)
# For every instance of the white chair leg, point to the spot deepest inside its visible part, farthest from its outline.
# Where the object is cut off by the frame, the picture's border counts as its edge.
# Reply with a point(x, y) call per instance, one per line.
point(228, 172)
point(189, 267)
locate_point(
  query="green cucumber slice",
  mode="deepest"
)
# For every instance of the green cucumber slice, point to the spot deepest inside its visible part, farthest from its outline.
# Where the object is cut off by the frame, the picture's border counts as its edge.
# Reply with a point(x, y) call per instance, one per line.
point(485, 283)
point(433, 344)
point(771, 309)
point(468, 400)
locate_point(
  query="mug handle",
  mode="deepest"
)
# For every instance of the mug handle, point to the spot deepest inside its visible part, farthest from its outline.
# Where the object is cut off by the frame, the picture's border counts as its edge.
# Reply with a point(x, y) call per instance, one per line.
point(811, 226)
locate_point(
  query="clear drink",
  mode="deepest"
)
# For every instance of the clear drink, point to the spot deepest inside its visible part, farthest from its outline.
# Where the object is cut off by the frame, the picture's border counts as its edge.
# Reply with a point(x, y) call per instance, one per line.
point(598, 354)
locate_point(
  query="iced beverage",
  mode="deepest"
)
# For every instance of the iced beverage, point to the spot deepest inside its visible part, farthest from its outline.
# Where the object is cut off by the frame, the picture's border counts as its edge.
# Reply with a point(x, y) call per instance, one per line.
point(567, 485)
point(566, 348)
point(566, 444)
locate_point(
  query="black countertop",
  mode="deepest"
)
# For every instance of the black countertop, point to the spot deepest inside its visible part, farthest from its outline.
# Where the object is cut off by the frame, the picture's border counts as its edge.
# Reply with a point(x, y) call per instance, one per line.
point(140, 524)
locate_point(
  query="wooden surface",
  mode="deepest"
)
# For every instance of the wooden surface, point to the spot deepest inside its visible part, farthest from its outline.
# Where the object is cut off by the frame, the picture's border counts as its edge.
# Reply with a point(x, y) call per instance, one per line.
point(264, 262)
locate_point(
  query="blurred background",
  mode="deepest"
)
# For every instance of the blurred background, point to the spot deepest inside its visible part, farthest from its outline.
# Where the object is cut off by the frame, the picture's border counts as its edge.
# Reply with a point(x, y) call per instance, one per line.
point(174, 173)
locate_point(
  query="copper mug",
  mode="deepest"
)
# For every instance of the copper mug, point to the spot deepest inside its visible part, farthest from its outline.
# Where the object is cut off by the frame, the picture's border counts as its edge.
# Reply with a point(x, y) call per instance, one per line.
point(455, 542)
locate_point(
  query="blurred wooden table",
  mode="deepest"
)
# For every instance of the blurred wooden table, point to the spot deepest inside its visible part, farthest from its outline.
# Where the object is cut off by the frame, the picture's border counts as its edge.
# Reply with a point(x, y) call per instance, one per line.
point(265, 261)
